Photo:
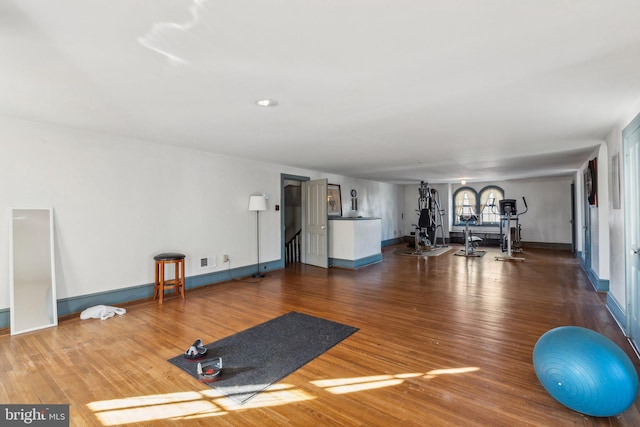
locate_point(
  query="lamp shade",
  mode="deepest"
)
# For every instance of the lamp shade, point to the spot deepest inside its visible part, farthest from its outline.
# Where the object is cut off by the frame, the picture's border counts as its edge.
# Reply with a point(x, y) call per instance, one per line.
point(257, 203)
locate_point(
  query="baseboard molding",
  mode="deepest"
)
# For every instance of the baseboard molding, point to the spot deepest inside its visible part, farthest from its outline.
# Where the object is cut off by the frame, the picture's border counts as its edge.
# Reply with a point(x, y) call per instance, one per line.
point(353, 264)
point(547, 245)
point(617, 312)
point(5, 319)
point(598, 284)
point(73, 305)
point(390, 242)
point(493, 239)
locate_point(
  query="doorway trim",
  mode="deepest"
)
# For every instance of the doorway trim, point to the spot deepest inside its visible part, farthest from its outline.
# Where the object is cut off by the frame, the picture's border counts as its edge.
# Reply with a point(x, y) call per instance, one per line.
point(286, 177)
point(631, 145)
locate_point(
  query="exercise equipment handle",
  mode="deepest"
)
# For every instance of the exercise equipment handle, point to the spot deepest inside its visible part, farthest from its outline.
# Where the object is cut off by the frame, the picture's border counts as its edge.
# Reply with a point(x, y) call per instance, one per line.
point(526, 208)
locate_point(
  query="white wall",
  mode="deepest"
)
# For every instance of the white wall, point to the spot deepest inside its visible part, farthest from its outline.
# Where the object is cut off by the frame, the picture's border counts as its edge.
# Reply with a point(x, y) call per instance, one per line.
point(616, 225)
point(549, 200)
point(375, 199)
point(117, 202)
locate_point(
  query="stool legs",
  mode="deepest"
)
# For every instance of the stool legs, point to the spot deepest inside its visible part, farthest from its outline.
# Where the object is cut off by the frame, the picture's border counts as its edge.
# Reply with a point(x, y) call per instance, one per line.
point(182, 279)
point(176, 283)
point(156, 288)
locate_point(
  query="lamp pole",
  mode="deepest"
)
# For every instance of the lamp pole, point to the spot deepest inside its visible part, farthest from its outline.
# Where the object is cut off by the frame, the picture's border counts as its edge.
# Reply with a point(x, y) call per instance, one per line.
point(258, 203)
point(258, 274)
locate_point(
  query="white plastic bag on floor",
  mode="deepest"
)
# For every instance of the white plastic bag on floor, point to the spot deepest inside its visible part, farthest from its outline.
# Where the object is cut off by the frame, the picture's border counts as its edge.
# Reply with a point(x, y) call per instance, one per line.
point(101, 312)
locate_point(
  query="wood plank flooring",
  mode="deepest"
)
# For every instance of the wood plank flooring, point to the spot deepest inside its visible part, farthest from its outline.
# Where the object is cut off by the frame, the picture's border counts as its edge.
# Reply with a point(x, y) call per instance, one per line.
point(443, 341)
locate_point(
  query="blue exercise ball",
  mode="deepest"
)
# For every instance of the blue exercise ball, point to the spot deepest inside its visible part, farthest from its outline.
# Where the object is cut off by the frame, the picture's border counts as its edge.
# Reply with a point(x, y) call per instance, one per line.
point(585, 371)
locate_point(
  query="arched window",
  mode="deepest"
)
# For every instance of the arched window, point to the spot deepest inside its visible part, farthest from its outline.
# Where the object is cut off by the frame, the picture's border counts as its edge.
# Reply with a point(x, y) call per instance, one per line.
point(490, 197)
point(465, 203)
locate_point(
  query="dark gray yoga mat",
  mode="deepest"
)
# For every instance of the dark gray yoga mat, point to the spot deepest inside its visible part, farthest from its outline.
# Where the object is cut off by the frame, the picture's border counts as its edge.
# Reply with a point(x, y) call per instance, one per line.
point(257, 357)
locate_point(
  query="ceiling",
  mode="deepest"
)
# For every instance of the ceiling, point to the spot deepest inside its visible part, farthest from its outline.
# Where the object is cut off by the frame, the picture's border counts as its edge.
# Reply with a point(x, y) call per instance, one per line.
point(395, 91)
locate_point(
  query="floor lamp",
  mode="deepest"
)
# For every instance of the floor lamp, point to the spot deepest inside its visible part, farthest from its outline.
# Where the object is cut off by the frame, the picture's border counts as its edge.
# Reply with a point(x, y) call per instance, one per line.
point(258, 203)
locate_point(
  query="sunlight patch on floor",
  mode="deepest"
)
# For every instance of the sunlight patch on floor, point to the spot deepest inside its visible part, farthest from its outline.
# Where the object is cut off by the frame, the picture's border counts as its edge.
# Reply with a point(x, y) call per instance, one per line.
point(364, 385)
point(143, 401)
point(450, 371)
point(352, 385)
point(188, 405)
point(154, 407)
point(275, 395)
point(209, 403)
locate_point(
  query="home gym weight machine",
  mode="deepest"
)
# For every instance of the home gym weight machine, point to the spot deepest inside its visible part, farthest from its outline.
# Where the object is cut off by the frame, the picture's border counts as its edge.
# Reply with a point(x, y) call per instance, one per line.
point(430, 219)
point(510, 237)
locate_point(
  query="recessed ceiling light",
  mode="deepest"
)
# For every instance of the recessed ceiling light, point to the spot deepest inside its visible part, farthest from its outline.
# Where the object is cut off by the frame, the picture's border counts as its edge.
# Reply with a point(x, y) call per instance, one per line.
point(267, 102)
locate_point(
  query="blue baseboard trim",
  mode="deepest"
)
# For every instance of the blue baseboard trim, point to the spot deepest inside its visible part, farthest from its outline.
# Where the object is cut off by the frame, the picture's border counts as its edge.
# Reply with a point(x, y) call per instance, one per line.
point(353, 264)
point(390, 242)
point(73, 305)
point(598, 284)
point(5, 318)
point(617, 312)
point(582, 262)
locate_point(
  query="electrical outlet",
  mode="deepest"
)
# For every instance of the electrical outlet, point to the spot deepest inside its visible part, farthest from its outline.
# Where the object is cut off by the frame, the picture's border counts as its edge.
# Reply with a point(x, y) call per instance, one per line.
point(225, 258)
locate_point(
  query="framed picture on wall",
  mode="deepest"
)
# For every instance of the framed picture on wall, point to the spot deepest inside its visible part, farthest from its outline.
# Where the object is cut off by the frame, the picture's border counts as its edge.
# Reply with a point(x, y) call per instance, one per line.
point(334, 200)
point(591, 182)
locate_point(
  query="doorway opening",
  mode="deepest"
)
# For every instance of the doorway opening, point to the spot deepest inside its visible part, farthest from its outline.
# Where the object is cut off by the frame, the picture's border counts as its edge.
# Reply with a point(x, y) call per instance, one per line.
point(292, 247)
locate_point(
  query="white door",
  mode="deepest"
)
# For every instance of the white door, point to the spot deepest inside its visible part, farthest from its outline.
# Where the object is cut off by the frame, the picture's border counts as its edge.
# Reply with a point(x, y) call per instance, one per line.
point(315, 222)
point(631, 149)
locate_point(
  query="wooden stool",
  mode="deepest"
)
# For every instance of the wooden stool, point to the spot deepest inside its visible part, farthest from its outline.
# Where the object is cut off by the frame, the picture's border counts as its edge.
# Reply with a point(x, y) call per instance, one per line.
point(177, 282)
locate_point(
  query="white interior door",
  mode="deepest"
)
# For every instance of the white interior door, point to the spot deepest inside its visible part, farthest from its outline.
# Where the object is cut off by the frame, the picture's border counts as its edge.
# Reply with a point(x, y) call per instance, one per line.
point(631, 148)
point(315, 222)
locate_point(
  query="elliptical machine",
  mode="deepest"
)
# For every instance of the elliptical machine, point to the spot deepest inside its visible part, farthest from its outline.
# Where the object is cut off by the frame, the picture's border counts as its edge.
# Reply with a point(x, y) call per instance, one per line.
point(510, 238)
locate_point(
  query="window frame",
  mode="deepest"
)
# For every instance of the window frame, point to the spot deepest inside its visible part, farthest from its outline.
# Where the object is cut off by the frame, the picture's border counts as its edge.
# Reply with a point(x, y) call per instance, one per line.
point(474, 204)
point(496, 214)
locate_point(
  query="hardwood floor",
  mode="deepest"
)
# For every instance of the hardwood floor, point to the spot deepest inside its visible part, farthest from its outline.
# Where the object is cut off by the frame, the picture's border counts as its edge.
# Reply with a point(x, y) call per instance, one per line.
point(443, 341)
